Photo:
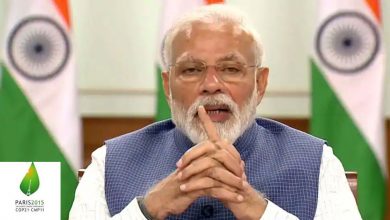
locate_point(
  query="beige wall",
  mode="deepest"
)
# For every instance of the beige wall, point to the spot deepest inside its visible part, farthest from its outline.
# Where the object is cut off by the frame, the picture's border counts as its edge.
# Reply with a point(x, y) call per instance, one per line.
point(115, 44)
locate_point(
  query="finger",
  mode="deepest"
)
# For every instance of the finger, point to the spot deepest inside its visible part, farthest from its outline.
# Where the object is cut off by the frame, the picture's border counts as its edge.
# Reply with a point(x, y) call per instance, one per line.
point(220, 193)
point(199, 183)
point(220, 159)
point(247, 188)
point(197, 166)
point(196, 152)
point(224, 176)
point(229, 147)
point(208, 125)
point(224, 195)
point(204, 182)
point(213, 177)
point(228, 161)
point(226, 146)
point(207, 149)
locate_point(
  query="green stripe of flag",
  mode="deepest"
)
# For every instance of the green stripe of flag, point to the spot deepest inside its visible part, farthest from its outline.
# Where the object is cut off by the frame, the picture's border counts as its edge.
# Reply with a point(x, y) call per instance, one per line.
point(163, 111)
point(331, 122)
point(23, 137)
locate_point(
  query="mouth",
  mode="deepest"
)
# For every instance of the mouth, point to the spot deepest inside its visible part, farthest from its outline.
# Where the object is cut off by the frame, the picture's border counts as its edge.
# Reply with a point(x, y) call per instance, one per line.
point(217, 113)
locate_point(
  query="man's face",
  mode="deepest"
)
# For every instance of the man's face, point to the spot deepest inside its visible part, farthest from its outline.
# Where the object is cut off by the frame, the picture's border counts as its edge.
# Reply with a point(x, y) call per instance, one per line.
point(230, 103)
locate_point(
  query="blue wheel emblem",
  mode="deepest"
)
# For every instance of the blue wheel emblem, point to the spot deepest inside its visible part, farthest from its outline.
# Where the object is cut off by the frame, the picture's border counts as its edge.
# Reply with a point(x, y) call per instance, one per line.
point(38, 48)
point(347, 42)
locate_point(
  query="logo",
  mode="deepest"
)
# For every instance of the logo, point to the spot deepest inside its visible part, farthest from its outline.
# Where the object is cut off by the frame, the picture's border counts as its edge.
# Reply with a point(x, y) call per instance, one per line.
point(30, 182)
point(29, 185)
point(38, 48)
point(347, 42)
point(30, 190)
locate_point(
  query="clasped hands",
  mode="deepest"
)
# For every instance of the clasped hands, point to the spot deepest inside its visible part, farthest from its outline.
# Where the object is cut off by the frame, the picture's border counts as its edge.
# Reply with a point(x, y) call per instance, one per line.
point(211, 168)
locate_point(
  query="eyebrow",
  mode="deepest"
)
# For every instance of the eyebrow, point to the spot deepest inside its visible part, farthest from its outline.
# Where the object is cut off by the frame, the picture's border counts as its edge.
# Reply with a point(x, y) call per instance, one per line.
point(185, 57)
point(229, 57)
point(232, 56)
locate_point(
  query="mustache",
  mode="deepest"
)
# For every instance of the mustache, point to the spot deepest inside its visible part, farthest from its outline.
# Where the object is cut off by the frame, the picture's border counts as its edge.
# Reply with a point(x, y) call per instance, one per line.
point(219, 99)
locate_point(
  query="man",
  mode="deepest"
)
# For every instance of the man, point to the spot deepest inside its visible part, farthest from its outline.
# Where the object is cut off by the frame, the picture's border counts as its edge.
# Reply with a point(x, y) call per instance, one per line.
point(214, 159)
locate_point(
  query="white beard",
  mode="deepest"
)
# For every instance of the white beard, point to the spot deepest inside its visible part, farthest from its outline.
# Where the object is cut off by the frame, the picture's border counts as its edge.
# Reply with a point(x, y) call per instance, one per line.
point(230, 129)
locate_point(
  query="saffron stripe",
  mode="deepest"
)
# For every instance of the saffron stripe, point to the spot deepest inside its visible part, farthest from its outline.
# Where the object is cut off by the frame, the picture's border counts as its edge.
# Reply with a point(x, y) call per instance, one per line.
point(374, 5)
point(213, 1)
point(62, 6)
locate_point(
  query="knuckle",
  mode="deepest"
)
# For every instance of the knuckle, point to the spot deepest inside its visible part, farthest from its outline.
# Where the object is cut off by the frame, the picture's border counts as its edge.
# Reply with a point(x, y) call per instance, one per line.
point(239, 182)
point(206, 143)
point(224, 141)
point(215, 184)
point(184, 174)
point(213, 192)
point(210, 172)
point(187, 171)
point(222, 144)
point(206, 163)
point(213, 149)
point(184, 158)
point(215, 161)
point(215, 173)
point(225, 153)
point(218, 146)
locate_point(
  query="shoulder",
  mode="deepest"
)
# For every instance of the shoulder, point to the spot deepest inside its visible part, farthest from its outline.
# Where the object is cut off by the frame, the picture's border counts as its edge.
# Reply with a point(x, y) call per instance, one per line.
point(290, 142)
point(152, 131)
point(148, 139)
point(280, 129)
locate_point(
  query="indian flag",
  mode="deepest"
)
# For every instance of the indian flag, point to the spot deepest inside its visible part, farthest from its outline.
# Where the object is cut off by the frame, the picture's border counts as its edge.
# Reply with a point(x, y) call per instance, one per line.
point(172, 9)
point(39, 120)
point(347, 94)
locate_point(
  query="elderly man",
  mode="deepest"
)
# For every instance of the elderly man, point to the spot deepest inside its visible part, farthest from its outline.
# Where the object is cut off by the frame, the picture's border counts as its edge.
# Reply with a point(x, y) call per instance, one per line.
point(214, 159)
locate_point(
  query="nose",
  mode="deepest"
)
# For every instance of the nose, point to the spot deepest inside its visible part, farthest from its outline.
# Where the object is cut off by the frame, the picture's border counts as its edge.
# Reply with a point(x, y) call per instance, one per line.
point(211, 84)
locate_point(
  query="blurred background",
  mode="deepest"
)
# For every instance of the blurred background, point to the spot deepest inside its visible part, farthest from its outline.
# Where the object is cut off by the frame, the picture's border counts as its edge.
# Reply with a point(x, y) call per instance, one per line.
point(115, 44)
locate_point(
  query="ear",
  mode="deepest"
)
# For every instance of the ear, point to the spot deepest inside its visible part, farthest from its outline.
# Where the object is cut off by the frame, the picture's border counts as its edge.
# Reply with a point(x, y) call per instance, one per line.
point(261, 82)
point(165, 81)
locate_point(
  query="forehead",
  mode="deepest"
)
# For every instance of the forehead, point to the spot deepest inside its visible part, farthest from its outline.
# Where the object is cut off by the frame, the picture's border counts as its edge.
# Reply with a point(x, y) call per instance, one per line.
point(212, 42)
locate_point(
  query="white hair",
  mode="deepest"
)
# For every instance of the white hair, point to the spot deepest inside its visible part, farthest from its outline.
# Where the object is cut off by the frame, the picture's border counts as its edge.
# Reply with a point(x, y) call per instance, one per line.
point(230, 129)
point(210, 14)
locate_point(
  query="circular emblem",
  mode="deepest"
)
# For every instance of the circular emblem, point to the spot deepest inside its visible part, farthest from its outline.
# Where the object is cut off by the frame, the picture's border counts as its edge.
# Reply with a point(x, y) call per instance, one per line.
point(347, 42)
point(38, 48)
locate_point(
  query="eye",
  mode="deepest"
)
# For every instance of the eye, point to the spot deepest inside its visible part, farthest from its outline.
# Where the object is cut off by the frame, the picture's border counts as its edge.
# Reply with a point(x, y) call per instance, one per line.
point(230, 68)
point(190, 68)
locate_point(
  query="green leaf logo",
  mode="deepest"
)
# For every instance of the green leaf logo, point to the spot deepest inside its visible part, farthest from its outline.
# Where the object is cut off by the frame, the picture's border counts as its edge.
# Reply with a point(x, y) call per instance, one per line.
point(30, 182)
